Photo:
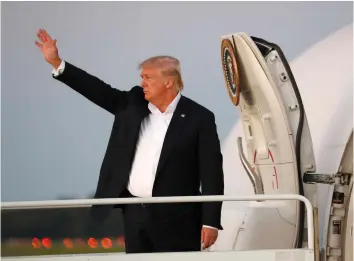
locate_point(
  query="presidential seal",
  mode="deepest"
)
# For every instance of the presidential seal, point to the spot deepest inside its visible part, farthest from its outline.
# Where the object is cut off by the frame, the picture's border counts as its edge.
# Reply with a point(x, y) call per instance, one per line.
point(231, 76)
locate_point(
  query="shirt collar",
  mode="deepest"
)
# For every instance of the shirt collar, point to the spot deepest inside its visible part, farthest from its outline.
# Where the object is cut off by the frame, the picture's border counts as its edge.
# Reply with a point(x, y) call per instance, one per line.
point(170, 108)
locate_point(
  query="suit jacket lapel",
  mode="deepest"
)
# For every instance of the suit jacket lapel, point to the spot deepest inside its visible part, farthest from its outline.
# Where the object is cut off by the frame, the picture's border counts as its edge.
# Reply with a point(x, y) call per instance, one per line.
point(176, 124)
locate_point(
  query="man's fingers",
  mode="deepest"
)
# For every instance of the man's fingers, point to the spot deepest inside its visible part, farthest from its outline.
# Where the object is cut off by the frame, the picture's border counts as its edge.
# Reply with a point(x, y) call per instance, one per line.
point(206, 242)
point(46, 36)
point(43, 36)
point(202, 236)
point(40, 37)
point(38, 44)
point(213, 240)
point(209, 236)
point(209, 241)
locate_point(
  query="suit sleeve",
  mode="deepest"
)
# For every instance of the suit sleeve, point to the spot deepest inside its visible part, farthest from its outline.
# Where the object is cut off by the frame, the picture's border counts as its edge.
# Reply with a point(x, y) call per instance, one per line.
point(210, 170)
point(94, 89)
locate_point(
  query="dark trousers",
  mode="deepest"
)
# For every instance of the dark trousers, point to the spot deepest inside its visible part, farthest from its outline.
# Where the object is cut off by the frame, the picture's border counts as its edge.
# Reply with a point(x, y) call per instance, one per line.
point(146, 233)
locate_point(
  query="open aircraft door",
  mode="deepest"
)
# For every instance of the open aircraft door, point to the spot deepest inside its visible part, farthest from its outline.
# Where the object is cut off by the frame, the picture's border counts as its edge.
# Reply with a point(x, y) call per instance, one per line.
point(279, 148)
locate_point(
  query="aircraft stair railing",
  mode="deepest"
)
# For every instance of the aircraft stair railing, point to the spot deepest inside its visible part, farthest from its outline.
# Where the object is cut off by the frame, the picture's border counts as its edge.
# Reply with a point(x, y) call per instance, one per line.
point(304, 254)
point(254, 178)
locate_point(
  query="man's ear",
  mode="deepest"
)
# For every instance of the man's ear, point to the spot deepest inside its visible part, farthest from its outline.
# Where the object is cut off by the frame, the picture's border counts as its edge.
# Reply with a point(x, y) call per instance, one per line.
point(169, 82)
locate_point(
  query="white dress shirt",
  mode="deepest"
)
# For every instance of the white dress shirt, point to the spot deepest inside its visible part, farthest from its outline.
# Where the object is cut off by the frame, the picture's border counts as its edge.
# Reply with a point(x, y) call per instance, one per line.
point(151, 137)
point(60, 69)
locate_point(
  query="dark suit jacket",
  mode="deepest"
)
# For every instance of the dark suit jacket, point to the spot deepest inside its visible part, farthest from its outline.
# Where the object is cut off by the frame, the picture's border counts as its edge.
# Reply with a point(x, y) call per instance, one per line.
point(190, 155)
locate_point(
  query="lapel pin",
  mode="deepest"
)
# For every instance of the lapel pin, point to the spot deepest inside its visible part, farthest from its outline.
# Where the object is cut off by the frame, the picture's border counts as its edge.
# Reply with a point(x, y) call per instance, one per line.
point(182, 115)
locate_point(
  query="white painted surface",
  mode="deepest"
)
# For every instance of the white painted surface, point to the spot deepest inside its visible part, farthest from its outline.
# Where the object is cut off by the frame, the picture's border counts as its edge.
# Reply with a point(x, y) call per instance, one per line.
point(264, 255)
point(324, 75)
point(270, 146)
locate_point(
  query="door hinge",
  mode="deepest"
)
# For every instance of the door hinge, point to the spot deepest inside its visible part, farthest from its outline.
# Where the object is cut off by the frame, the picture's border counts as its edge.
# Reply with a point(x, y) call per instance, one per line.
point(313, 178)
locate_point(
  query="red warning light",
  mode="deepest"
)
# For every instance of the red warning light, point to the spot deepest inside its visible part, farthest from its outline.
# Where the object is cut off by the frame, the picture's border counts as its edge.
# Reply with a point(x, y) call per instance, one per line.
point(68, 243)
point(47, 242)
point(92, 242)
point(36, 243)
point(106, 243)
point(121, 241)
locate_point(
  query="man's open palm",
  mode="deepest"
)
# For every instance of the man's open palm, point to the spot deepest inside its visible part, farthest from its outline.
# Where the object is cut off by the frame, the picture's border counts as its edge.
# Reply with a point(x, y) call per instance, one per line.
point(48, 47)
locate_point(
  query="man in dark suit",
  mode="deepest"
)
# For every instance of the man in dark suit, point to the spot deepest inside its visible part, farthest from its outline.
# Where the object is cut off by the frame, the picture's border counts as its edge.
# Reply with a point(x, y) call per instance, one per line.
point(161, 144)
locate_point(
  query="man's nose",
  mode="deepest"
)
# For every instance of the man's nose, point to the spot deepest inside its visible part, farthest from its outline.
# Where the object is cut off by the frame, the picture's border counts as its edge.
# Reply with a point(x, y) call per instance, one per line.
point(143, 84)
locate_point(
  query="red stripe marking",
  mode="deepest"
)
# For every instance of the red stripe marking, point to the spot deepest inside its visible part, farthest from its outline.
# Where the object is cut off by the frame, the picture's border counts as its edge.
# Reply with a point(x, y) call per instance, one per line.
point(255, 156)
point(275, 169)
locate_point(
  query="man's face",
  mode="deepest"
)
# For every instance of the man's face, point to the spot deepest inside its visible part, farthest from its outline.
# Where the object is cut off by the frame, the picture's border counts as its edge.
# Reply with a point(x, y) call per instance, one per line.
point(153, 83)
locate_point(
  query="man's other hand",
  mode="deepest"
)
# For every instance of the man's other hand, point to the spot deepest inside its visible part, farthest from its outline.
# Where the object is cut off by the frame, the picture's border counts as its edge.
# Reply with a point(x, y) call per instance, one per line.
point(48, 47)
point(209, 236)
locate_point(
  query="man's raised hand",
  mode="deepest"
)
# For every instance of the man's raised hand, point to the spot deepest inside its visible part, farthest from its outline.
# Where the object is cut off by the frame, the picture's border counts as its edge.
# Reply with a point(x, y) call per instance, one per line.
point(48, 47)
